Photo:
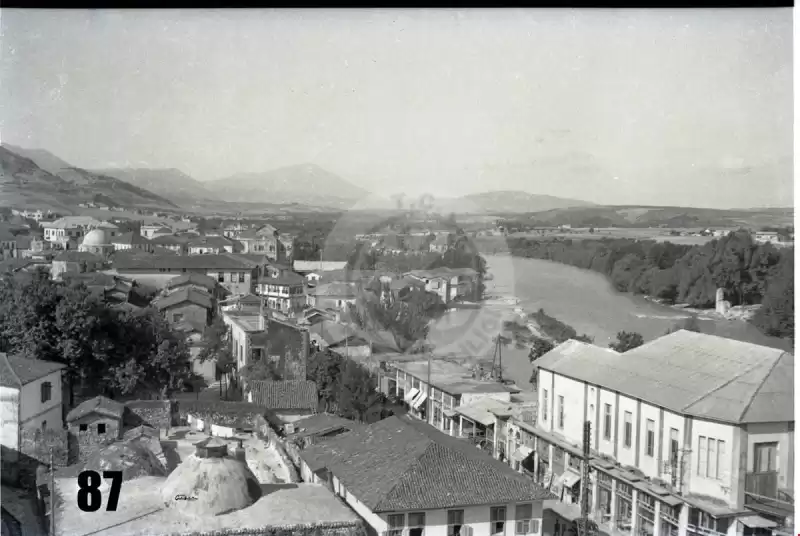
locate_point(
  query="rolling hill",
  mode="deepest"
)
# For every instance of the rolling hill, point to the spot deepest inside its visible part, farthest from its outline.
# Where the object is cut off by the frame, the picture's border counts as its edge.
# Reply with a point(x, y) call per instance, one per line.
point(649, 216)
point(35, 177)
point(172, 184)
point(508, 202)
point(307, 184)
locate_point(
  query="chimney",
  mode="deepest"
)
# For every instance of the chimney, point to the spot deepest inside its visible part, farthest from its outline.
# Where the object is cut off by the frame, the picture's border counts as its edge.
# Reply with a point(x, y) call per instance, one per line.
point(239, 452)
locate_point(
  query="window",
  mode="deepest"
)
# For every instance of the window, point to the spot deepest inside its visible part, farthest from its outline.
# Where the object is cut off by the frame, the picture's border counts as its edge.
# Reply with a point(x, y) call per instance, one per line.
point(177, 317)
point(561, 412)
point(497, 517)
point(397, 522)
point(101, 428)
point(416, 523)
point(83, 427)
point(241, 277)
point(47, 392)
point(221, 277)
point(651, 437)
point(522, 516)
point(721, 472)
point(702, 452)
point(607, 421)
point(765, 457)
point(544, 405)
point(628, 429)
point(455, 520)
point(712, 458)
point(673, 446)
point(44, 426)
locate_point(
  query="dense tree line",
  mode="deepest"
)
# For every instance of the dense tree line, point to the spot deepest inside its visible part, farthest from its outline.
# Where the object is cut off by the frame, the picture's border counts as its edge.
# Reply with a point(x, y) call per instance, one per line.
point(750, 273)
point(107, 351)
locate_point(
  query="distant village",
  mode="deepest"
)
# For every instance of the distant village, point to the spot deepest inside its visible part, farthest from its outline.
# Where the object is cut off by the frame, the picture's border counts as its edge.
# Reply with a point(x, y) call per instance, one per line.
point(688, 435)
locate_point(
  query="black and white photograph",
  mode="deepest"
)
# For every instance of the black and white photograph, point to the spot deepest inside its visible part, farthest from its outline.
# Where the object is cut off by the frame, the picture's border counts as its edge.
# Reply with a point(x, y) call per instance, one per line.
point(397, 272)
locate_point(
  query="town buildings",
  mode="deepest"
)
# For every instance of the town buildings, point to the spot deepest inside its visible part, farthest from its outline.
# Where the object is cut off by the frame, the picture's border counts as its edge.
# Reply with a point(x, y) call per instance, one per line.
point(691, 434)
point(128, 241)
point(73, 228)
point(404, 477)
point(98, 242)
point(186, 305)
point(74, 262)
point(31, 397)
point(284, 292)
point(236, 274)
point(173, 243)
point(332, 296)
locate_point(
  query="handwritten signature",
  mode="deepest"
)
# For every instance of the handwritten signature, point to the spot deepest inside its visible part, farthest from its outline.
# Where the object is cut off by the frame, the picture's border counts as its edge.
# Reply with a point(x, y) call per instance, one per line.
point(184, 498)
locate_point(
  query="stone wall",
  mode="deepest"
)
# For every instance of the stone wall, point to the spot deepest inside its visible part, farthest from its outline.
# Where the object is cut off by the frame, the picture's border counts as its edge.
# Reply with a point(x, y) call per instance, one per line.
point(265, 430)
point(155, 413)
point(289, 345)
point(231, 414)
point(350, 528)
point(34, 454)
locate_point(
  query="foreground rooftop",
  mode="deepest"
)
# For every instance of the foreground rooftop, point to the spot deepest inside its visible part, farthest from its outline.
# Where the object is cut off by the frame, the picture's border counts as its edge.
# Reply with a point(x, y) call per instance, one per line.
point(141, 512)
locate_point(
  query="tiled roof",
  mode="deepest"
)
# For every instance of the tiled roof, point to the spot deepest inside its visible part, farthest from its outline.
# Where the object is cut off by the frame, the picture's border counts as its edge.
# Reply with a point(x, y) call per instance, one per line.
point(78, 256)
point(98, 404)
point(318, 266)
point(689, 373)
point(322, 423)
point(223, 261)
point(129, 238)
point(209, 241)
point(182, 295)
point(286, 279)
point(192, 278)
point(332, 332)
point(169, 240)
point(402, 464)
point(285, 395)
point(17, 371)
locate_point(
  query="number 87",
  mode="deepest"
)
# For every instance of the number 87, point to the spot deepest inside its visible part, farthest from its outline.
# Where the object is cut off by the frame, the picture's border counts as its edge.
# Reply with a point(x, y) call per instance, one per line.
point(89, 497)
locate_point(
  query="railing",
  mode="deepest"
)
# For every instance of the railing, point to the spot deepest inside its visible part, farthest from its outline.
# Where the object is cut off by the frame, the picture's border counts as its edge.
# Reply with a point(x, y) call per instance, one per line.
point(702, 531)
point(762, 489)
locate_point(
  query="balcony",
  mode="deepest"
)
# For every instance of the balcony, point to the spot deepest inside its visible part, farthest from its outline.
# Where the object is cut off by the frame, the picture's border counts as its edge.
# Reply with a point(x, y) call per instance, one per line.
point(761, 492)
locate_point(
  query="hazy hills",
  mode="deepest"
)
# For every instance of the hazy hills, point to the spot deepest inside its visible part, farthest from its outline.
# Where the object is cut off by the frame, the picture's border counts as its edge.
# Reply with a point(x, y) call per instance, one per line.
point(172, 184)
point(649, 216)
point(36, 177)
point(509, 201)
point(308, 184)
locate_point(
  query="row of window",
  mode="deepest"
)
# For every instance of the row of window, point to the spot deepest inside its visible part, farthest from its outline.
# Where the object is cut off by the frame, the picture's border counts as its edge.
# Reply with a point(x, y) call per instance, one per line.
point(524, 522)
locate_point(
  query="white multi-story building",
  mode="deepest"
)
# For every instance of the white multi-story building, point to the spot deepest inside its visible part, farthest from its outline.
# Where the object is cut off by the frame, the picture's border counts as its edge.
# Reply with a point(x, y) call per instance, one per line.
point(74, 227)
point(691, 434)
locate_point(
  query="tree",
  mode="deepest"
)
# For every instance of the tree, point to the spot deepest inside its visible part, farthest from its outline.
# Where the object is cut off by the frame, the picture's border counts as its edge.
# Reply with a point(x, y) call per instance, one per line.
point(690, 324)
point(540, 347)
point(263, 369)
point(626, 341)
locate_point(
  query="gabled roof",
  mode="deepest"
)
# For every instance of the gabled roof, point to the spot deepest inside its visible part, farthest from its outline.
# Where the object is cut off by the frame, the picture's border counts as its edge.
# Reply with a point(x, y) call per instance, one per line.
point(333, 332)
point(99, 404)
point(318, 266)
point(183, 295)
point(129, 238)
point(78, 256)
point(285, 395)
point(223, 261)
point(193, 278)
point(209, 241)
point(169, 240)
point(286, 279)
point(689, 373)
point(338, 290)
point(400, 464)
point(16, 371)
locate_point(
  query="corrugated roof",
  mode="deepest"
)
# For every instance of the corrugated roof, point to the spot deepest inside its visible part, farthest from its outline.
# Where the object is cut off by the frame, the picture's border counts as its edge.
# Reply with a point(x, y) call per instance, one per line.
point(16, 371)
point(186, 294)
point(285, 395)
point(400, 464)
point(98, 404)
point(691, 373)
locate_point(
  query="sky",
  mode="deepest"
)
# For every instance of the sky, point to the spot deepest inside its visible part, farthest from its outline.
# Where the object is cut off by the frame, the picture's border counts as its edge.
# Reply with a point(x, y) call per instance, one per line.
point(655, 107)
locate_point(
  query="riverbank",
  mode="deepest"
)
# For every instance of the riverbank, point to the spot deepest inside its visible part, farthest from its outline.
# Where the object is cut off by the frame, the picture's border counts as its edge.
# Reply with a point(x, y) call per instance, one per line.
point(737, 313)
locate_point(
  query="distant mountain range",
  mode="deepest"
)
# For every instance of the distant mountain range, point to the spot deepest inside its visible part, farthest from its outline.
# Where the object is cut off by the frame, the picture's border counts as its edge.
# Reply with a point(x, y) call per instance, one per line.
point(35, 177)
point(507, 201)
point(171, 183)
point(308, 184)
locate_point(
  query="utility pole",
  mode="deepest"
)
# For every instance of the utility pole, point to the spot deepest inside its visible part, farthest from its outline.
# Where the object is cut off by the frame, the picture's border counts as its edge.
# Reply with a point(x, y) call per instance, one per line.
point(52, 495)
point(587, 439)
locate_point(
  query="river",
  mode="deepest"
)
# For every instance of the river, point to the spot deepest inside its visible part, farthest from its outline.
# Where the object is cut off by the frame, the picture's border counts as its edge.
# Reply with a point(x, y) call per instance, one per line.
point(580, 298)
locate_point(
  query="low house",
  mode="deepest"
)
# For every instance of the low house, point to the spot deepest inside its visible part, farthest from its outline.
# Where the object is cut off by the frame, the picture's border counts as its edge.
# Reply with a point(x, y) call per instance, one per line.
point(289, 400)
point(212, 245)
point(186, 304)
point(131, 240)
point(393, 243)
point(151, 231)
point(236, 274)
point(72, 227)
point(252, 242)
point(349, 341)
point(763, 237)
point(333, 296)
point(405, 477)
point(176, 244)
point(74, 262)
point(95, 423)
point(32, 397)
point(440, 244)
point(198, 281)
point(441, 281)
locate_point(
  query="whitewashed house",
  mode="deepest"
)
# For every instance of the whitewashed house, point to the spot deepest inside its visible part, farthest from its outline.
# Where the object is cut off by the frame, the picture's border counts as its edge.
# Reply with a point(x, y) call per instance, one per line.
point(30, 390)
point(406, 478)
point(691, 434)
